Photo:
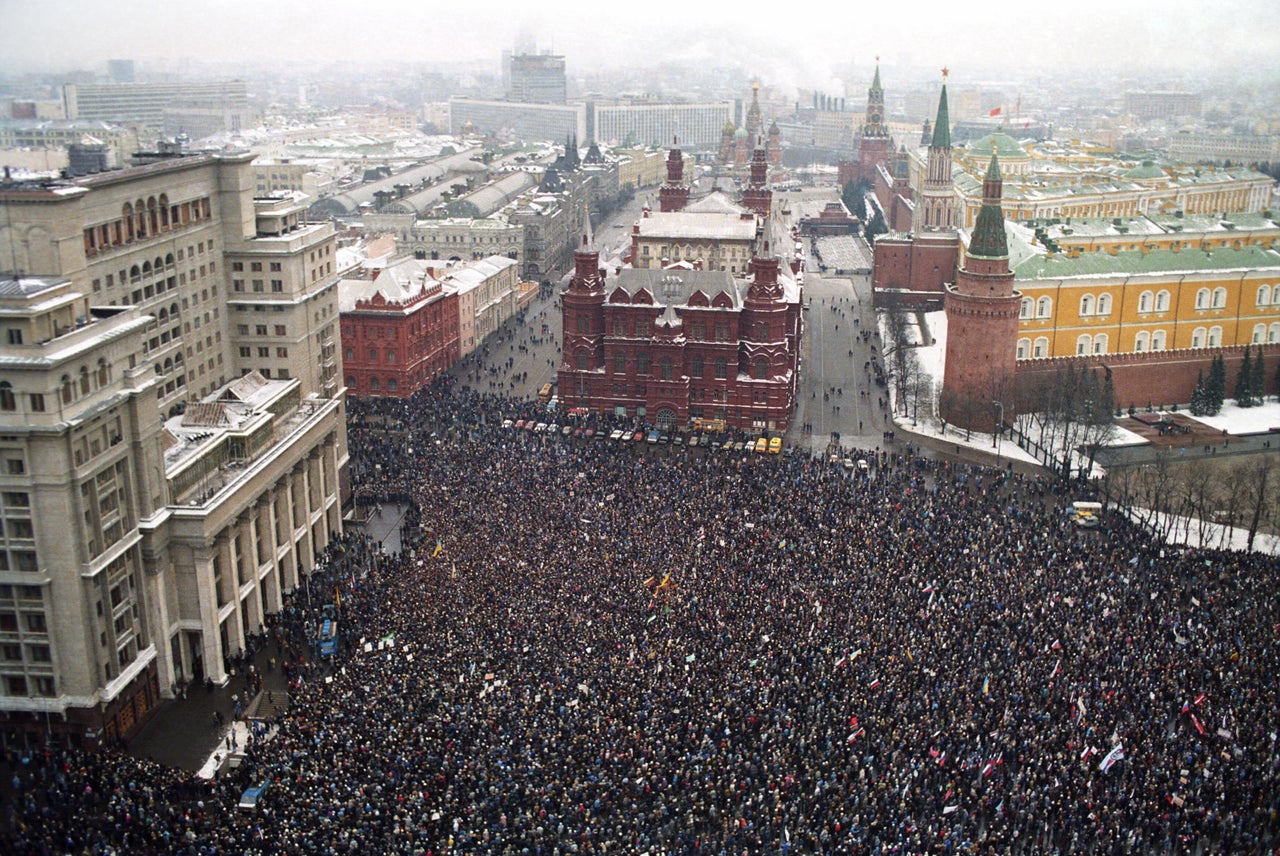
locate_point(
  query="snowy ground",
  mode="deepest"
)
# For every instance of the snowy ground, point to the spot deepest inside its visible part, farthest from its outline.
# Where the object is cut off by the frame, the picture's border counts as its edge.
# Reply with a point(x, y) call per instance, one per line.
point(1244, 420)
point(1235, 420)
point(1191, 532)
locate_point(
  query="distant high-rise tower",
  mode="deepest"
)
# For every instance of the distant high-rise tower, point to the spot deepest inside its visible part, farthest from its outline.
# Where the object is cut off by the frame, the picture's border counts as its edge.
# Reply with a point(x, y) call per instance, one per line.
point(937, 204)
point(982, 322)
point(537, 79)
point(875, 144)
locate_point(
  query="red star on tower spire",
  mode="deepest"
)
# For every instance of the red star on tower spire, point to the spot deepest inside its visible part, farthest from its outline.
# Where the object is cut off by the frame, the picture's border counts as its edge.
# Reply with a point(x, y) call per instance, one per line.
point(945, 71)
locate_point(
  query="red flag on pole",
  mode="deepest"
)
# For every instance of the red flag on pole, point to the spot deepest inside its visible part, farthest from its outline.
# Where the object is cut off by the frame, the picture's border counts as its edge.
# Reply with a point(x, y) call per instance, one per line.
point(994, 112)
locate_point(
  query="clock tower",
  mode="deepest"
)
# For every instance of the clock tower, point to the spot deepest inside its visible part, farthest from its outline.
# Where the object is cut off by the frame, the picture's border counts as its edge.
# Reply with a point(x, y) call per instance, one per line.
point(875, 145)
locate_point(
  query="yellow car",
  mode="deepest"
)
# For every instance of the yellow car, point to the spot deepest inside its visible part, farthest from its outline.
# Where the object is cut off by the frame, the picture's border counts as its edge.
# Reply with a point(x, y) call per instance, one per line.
point(775, 446)
point(762, 445)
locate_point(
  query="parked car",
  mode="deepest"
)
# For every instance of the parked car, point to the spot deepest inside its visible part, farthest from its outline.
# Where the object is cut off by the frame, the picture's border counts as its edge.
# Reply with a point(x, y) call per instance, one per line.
point(653, 437)
point(762, 445)
point(775, 446)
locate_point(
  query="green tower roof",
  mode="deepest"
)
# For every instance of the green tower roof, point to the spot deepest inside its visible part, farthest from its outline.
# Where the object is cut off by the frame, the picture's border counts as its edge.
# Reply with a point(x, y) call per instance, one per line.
point(942, 127)
point(988, 240)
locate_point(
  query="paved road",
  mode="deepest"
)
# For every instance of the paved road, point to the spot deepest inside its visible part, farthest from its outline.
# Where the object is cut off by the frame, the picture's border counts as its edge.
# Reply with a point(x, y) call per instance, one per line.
point(836, 393)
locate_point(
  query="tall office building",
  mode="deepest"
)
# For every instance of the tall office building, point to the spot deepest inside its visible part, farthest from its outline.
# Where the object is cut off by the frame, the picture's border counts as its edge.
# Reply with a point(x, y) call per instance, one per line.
point(172, 431)
point(536, 78)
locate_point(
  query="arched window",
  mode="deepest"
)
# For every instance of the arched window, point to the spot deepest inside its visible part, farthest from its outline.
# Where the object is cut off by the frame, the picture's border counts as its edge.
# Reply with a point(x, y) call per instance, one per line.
point(1104, 304)
point(642, 364)
point(1157, 340)
point(584, 325)
point(696, 366)
point(374, 383)
point(1024, 346)
point(1100, 343)
point(68, 389)
point(619, 327)
point(666, 369)
point(104, 373)
point(1162, 301)
point(619, 363)
point(1142, 341)
point(1027, 309)
point(722, 368)
point(351, 382)
point(1197, 337)
point(1259, 333)
point(1044, 307)
point(84, 380)
point(1264, 295)
point(1145, 301)
point(1215, 337)
point(1219, 297)
point(762, 368)
point(8, 402)
point(1273, 333)
point(1083, 343)
point(1202, 299)
point(1086, 305)
point(1040, 348)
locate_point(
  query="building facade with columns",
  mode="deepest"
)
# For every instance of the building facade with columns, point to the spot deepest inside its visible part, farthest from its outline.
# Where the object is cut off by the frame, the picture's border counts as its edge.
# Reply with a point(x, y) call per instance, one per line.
point(172, 420)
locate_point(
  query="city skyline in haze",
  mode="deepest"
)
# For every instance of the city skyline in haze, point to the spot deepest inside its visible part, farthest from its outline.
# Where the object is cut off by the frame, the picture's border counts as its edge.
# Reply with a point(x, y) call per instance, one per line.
point(813, 47)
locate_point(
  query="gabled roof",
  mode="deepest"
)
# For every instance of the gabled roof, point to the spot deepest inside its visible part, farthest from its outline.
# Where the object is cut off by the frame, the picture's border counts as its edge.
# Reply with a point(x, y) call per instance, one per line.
point(674, 288)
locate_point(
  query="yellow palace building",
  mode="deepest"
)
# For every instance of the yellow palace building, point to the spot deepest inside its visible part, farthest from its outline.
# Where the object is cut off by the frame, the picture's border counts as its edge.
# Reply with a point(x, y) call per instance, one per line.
point(1134, 301)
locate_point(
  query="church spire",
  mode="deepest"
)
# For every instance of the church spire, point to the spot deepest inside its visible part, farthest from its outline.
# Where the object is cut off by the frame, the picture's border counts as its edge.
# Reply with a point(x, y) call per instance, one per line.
point(989, 239)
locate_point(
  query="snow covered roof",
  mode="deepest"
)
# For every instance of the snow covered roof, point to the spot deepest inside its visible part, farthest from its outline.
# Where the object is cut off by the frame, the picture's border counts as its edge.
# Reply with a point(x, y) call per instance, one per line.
point(715, 202)
point(685, 225)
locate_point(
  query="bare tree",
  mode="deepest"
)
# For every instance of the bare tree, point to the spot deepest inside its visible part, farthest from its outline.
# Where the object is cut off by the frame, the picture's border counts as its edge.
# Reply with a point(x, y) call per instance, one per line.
point(1259, 492)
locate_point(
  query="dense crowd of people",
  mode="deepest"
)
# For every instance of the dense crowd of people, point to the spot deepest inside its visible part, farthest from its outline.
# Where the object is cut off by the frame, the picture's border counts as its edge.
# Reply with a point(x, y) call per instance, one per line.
point(586, 648)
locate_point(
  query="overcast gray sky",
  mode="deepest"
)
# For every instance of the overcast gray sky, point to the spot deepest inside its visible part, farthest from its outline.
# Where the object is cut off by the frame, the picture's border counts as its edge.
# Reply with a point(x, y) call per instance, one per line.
point(799, 43)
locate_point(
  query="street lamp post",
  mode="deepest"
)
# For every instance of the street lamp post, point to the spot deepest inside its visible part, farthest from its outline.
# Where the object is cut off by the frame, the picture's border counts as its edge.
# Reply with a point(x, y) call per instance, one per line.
point(995, 434)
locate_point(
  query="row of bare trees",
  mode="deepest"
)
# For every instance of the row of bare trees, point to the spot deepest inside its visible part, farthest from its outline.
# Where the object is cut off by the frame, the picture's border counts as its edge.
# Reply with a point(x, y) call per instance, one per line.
point(1200, 500)
point(911, 382)
point(1069, 414)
